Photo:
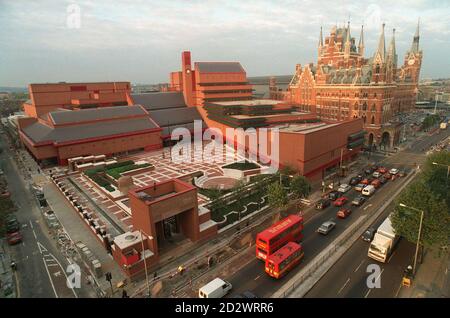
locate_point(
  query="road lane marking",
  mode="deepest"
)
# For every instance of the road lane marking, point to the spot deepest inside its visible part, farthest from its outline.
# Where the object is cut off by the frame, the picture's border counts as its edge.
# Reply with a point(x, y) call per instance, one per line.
point(50, 278)
point(31, 224)
point(257, 277)
point(346, 282)
point(378, 277)
point(367, 206)
point(359, 266)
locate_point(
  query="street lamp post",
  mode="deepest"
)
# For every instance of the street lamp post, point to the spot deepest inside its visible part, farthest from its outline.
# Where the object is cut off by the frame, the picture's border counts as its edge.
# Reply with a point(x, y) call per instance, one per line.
point(143, 257)
point(418, 235)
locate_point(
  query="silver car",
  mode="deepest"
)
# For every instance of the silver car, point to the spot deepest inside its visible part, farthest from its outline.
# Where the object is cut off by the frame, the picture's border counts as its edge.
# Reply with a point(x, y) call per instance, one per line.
point(326, 227)
point(344, 188)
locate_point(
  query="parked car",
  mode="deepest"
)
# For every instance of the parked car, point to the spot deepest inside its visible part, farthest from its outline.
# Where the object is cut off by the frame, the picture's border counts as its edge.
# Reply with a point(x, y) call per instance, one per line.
point(393, 171)
point(368, 234)
point(376, 183)
point(14, 238)
point(343, 213)
point(333, 195)
point(322, 204)
point(387, 175)
point(368, 171)
point(344, 188)
point(359, 187)
point(12, 226)
point(326, 227)
point(359, 200)
point(382, 170)
point(367, 181)
point(340, 201)
point(376, 174)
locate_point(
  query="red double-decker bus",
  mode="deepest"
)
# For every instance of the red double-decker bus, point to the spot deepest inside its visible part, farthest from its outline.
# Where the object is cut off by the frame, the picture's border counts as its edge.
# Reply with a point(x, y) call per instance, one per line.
point(271, 239)
point(283, 260)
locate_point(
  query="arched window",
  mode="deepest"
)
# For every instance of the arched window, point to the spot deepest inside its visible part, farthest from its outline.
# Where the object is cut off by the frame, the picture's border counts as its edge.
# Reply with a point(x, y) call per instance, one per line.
point(373, 120)
point(365, 106)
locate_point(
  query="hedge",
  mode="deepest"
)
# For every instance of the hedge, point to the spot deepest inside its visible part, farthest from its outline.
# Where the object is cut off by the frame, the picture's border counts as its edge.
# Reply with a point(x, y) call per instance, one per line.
point(116, 172)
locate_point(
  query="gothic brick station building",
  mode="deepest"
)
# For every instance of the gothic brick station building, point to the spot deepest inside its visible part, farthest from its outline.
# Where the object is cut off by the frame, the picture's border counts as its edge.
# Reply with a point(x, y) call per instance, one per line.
point(344, 84)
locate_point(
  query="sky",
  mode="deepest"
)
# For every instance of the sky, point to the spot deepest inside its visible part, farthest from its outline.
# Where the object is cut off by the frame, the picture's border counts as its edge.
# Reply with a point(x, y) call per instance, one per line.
point(141, 41)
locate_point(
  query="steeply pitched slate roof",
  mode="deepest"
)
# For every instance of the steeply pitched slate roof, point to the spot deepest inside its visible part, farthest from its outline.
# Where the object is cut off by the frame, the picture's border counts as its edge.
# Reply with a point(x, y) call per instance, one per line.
point(103, 113)
point(155, 101)
point(219, 67)
point(39, 132)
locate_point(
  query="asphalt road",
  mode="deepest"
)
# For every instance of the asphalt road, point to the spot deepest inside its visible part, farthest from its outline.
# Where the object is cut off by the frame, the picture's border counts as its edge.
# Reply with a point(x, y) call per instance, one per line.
point(251, 277)
point(347, 278)
point(40, 266)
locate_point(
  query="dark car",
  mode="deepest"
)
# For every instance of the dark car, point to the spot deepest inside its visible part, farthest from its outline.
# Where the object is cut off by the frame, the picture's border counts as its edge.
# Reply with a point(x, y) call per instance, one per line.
point(368, 171)
point(368, 234)
point(358, 201)
point(249, 294)
point(322, 204)
point(355, 180)
point(333, 195)
point(12, 226)
point(246, 294)
point(382, 180)
point(402, 173)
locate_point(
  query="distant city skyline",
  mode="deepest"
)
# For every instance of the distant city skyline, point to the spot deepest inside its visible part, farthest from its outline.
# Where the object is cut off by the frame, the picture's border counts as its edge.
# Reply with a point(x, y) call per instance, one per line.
point(142, 41)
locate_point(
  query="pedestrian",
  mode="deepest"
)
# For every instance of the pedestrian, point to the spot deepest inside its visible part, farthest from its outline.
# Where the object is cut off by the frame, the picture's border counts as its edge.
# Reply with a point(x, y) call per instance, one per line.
point(155, 276)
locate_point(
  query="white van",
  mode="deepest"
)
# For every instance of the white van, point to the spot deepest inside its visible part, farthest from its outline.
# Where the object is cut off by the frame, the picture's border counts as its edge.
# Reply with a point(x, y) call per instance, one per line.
point(368, 190)
point(217, 288)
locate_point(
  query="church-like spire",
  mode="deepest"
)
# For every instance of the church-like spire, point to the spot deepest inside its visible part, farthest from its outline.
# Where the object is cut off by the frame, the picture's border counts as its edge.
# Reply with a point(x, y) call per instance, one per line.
point(381, 50)
point(361, 42)
point(321, 38)
point(348, 44)
point(392, 54)
point(415, 44)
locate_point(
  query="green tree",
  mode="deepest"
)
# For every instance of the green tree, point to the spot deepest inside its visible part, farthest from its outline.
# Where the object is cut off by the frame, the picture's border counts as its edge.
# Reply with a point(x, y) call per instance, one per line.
point(435, 176)
point(300, 187)
point(436, 221)
point(277, 195)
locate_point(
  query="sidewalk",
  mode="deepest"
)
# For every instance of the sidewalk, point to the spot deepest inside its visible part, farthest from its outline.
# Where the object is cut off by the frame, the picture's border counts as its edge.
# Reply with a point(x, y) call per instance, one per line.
point(7, 280)
point(432, 278)
point(78, 232)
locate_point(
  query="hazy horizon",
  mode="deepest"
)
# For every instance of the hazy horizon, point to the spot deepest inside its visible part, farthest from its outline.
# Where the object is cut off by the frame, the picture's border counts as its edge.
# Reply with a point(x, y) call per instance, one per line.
point(141, 42)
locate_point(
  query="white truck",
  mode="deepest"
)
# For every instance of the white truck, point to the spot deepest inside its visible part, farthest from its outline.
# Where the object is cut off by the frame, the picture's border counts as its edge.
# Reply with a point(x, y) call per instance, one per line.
point(217, 288)
point(383, 242)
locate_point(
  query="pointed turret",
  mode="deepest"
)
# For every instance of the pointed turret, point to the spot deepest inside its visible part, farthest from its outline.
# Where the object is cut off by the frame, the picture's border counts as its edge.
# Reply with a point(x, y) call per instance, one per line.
point(320, 38)
point(381, 50)
point(415, 44)
point(361, 42)
point(392, 53)
point(348, 44)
